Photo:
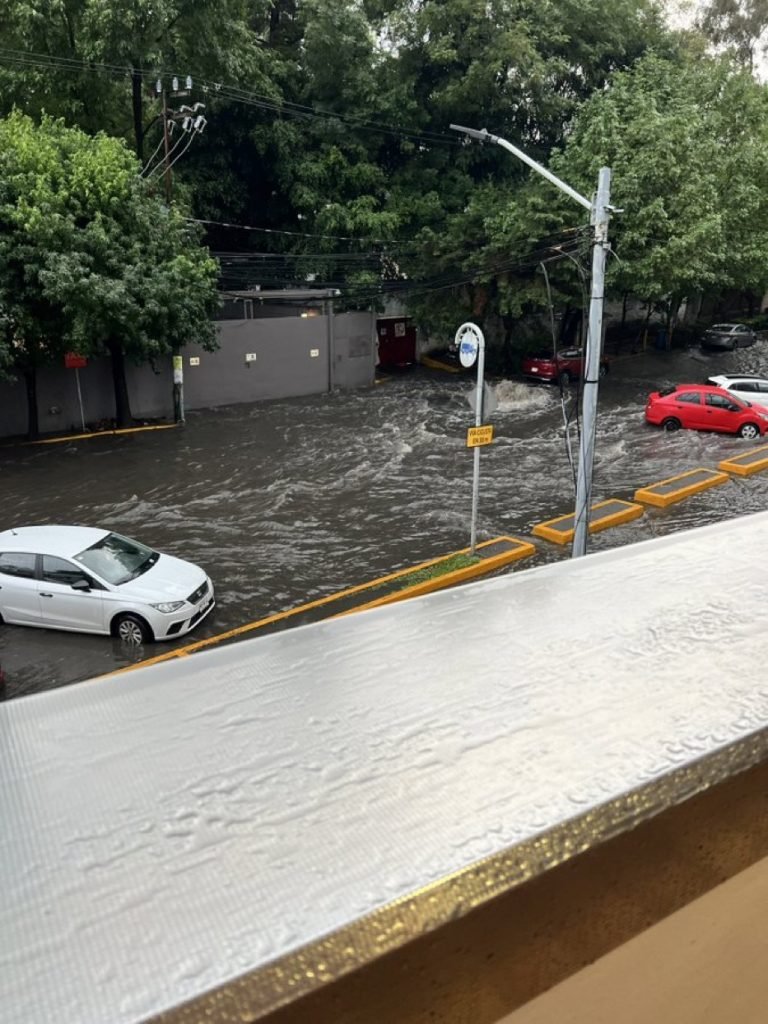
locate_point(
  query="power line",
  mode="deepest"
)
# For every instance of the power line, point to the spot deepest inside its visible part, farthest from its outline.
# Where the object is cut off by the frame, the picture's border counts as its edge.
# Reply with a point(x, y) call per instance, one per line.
point(232, 93)
point(296, 234)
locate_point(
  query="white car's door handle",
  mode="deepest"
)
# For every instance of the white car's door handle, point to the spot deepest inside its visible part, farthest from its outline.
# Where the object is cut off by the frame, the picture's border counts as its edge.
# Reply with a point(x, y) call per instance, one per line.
point(46, 595)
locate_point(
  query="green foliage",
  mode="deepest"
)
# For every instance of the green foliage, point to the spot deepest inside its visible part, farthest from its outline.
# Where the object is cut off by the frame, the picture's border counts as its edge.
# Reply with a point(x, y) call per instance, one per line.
point(89, 259)
point(687, 141)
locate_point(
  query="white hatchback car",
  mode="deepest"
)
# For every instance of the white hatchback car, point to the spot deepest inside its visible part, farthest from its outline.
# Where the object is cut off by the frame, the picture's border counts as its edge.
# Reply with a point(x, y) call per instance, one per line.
point(749, 387)
point(94, 581)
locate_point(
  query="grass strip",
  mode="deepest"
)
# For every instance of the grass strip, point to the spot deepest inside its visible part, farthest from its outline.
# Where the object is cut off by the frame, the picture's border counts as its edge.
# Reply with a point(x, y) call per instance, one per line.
point(451, 564)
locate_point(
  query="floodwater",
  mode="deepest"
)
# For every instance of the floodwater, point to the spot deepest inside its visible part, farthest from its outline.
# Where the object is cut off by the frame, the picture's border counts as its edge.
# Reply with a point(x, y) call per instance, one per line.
point(282, 502)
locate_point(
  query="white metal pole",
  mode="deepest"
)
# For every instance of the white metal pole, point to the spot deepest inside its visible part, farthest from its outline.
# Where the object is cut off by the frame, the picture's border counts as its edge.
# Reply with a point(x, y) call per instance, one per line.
point(478, 423)
point(600, 217)
point(80, 398)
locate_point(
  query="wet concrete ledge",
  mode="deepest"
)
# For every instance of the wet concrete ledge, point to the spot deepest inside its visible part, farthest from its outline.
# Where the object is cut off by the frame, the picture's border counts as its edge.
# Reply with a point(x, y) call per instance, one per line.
point(450, 791)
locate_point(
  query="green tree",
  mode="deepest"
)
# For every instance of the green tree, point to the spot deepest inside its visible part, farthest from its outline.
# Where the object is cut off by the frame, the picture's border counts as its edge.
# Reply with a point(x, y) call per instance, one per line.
point(687, 141)
point(216, 39)
point(738, 24)
point(90, 261)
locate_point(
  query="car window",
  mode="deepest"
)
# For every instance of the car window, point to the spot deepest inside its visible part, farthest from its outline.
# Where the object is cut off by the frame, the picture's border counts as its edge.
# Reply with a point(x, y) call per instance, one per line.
point(18, 563)
point(743, 385)
point(721, 402)
point(762, 386)
point(688, 396)
point(59, 570)
point(118, 559)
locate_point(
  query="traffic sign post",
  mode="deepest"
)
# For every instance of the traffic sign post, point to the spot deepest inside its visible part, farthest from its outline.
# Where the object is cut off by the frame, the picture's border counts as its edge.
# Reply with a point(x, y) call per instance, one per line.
point(471, 344)
point(74, 361)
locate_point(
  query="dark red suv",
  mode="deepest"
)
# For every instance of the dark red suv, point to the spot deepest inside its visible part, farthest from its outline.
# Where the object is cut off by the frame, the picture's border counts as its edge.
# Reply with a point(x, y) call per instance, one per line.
point(565, 366)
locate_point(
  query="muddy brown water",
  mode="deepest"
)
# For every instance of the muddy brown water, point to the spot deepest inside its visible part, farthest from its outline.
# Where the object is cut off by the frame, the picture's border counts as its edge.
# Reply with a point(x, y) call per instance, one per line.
point(286, 501)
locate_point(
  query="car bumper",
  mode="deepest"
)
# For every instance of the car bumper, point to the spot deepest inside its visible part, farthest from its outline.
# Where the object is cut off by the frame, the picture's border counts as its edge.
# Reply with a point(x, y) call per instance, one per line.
point(171, 627)
point(547, 378)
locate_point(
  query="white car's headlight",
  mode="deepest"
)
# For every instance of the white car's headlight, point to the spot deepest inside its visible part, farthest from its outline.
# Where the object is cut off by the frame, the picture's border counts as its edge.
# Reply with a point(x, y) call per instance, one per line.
point(168, 606)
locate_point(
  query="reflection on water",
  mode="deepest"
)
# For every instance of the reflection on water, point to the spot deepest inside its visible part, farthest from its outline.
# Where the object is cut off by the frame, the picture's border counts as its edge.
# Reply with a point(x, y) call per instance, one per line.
point(286, 501)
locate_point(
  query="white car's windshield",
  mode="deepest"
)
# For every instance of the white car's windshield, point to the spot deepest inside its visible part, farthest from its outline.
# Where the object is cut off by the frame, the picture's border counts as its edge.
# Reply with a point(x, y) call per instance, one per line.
point(117, 559)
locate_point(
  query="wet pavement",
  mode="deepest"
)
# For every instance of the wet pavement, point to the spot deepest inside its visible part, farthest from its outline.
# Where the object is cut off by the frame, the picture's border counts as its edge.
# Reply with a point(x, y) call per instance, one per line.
point(283, 502)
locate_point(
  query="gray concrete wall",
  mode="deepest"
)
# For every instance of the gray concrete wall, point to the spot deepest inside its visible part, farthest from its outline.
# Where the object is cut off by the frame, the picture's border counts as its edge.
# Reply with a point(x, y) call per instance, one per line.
point(291, 359)
point(57, 402)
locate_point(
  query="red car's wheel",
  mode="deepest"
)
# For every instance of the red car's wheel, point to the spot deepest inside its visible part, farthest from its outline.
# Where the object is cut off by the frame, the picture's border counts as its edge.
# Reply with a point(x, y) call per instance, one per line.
point(750, 431)
point(564, 379)
point(671, 424)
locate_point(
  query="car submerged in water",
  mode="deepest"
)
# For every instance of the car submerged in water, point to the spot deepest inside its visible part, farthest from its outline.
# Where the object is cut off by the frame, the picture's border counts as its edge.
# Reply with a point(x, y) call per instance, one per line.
point(87, 580)
point(562, 367)
point(705, 407)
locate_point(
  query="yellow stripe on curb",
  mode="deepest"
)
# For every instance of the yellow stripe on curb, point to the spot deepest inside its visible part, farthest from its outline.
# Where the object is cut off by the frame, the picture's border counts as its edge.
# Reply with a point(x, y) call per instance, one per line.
point(677, 488)
point(436, 364)
point(101, 433)
point(602, 516)
point(754, 461)
point(486, 565)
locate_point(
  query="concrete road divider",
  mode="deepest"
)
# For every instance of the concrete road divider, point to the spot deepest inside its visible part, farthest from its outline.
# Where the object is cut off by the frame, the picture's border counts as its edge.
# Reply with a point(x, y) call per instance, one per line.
point(602, 515)
point(677, 488)
point(754, 461)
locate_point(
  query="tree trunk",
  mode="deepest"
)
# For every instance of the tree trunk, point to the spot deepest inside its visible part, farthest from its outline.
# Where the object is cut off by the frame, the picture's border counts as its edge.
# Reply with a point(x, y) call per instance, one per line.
point(137, 101)
point(33, 420)
point(123, 416)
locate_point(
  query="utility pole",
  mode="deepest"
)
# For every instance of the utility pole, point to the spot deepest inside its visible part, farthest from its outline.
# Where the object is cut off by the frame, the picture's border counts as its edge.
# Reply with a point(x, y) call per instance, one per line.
point(166, 150)
point(600, 210)
point(192, 123)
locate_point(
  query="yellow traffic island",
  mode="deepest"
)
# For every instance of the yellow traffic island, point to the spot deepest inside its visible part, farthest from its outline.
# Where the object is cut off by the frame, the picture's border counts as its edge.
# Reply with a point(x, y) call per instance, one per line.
point(439, 573)
point(602, 516)
point(435, 574)
point(439, 364)
point(677, 488)
point(754, 461)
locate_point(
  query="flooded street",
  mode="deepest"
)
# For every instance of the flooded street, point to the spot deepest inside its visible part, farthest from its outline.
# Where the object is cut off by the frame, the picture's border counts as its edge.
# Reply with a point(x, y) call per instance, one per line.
point(283, 502)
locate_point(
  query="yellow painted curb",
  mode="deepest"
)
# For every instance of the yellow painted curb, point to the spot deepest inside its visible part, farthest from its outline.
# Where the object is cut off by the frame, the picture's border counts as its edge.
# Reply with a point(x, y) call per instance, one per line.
point(524, 549)
point(746, 468)
point(651, 497)
point(436, 364)
point(102, 433)
point(249, 627)
point(627, 512)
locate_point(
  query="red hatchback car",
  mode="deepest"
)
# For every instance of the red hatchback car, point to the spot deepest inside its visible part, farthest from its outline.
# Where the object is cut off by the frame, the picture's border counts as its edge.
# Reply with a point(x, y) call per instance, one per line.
point(564, 366)
point(703, 407)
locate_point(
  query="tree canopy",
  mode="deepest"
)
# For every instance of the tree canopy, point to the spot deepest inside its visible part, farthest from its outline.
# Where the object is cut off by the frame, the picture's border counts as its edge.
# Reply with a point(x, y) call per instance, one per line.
point(90, 260)
point(328, 139)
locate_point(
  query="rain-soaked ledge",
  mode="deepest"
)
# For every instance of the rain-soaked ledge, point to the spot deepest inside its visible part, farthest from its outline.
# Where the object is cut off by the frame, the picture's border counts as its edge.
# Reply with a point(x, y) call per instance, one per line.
point(439, 809)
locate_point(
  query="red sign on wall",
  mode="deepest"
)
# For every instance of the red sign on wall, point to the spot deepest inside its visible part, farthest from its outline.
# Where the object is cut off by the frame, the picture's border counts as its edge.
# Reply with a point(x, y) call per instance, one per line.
point(74, 361)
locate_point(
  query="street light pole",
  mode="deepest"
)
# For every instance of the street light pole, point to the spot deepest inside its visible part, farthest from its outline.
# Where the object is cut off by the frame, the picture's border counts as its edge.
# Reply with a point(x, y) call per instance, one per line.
point(600, 210)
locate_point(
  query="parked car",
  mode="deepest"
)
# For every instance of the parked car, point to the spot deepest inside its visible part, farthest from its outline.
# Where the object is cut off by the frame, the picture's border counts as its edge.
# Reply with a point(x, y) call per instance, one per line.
point(727, 337)
point(748, 387)
point(563, 366)
point(94, 581)
point(704, 407)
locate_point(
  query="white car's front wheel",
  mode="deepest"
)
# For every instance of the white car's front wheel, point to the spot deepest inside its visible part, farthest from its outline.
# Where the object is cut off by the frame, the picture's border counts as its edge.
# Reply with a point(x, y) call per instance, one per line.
point(133, 630)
